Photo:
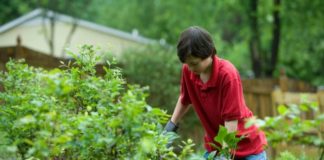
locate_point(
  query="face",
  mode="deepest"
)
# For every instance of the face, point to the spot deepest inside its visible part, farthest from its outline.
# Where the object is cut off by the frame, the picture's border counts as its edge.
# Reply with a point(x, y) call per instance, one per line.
point(198, 65)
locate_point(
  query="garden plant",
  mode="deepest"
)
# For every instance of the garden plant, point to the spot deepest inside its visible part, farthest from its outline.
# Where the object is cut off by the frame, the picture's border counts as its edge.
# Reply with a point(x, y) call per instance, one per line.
point(70, 113)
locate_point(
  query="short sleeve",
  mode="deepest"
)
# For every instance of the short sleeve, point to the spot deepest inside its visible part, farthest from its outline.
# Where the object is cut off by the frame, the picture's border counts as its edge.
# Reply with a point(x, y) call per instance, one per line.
point(233, 105)
point(184, 94)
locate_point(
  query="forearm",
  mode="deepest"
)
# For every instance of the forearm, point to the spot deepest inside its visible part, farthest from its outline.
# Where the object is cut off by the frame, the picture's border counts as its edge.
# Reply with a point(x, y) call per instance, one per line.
point(231, 126)
point(179, 111)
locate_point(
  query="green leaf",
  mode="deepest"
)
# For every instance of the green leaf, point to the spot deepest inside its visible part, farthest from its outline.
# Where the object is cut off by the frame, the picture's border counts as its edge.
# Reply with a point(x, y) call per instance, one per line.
point(282, 110)
point(211, 155)
point(222, 132)
point(314, 106)
point(250, 122)
point(303, 107)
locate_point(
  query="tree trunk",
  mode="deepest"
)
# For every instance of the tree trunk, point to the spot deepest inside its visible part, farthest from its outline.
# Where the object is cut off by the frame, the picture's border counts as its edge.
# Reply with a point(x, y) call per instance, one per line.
point(275, 38)
point(255, 40)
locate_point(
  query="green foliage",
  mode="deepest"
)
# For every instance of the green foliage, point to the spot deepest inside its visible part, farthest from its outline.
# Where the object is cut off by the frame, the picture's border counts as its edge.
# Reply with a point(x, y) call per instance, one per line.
point(228, 143)
point(15, 8)
point(303, 59)
point(286, 156)
point(291, 126)
point(72, 114)
point(159, 69)
point(301, 50)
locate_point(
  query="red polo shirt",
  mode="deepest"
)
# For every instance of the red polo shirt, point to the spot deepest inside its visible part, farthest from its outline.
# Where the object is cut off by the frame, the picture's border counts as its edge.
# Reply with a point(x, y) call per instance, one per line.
point(218, 100)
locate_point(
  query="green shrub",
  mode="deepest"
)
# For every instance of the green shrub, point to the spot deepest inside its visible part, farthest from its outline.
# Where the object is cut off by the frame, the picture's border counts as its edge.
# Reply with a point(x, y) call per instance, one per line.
point(291, 127)
point(158, 68)
point(286, 156)
point(73, 114)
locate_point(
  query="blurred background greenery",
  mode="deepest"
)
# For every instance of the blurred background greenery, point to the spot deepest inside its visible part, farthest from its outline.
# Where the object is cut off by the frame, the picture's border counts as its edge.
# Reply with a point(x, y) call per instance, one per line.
point(234, 24)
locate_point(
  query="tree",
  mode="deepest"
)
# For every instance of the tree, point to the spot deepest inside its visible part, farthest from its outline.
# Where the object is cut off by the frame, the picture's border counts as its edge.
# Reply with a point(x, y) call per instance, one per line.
point(263, 64)
point(262, 36)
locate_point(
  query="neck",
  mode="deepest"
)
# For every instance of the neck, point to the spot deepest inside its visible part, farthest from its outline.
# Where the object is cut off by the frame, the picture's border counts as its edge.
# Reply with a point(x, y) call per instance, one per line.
point(208, 70)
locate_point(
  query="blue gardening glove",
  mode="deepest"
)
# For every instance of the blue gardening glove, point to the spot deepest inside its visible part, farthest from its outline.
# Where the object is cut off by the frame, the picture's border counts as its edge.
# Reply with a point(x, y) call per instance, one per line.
point(171, 127)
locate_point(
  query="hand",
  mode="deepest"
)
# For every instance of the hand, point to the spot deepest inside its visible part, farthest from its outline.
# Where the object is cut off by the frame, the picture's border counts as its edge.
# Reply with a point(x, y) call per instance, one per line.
point(170, 130)
point(171, 127)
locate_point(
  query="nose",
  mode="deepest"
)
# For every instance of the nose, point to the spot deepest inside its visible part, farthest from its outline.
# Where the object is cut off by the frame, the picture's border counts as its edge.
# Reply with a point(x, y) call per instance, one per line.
point(193, 70)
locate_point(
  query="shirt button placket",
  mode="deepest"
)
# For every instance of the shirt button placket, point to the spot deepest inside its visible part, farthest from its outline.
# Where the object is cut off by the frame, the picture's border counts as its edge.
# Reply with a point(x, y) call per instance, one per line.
point(204, 93)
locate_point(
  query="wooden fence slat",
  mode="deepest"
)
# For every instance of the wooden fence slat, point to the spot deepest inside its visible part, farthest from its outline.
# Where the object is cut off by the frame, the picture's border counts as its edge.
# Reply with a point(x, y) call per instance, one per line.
point(320, 96)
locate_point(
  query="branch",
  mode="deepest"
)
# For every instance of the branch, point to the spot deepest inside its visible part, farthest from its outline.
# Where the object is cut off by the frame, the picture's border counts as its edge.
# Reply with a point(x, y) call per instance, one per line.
point(69, 37)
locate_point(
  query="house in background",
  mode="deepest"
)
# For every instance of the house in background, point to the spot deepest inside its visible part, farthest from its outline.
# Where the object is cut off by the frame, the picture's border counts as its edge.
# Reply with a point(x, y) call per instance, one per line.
point(50, 33)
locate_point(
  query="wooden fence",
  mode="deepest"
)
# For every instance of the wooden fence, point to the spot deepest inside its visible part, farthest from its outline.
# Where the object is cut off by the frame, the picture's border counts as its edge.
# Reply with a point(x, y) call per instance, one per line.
point(33, 58)
point(263, 96)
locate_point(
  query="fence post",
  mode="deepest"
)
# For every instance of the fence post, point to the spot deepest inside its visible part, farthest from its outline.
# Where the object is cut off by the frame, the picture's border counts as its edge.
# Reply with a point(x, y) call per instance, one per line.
point(276, 98)
point(283, 81)
point(320, 96)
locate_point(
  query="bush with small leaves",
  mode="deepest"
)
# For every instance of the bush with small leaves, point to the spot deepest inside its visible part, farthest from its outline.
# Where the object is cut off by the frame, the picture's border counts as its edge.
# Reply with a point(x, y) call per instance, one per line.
point(291, 127)
point(72, 114)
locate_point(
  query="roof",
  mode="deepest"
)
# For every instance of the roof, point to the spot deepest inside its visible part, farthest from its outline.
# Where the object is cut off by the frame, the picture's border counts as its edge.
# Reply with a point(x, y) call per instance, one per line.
point(39, 13)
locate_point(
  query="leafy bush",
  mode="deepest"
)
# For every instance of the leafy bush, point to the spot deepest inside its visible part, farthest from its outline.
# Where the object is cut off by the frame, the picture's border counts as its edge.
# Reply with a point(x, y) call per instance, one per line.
point(291, 127)
point(286, 156)
point(73, 114)
point(158, 68)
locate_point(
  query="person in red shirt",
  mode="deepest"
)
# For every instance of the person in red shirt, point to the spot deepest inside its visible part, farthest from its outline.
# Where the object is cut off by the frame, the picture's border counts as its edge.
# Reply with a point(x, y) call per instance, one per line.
point(212, 86)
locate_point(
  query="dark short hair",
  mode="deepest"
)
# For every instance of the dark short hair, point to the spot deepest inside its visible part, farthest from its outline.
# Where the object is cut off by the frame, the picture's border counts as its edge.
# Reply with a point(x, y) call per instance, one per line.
point(197, 42)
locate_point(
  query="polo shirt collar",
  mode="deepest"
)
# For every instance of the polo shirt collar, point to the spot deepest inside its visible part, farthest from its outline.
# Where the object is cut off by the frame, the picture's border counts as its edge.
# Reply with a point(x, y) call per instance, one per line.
point(212, 81)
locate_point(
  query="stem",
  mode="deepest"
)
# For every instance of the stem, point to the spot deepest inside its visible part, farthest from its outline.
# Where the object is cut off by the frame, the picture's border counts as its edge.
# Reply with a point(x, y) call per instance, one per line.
point(322, 154)
point(234, 152)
